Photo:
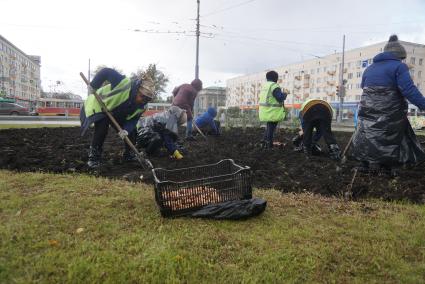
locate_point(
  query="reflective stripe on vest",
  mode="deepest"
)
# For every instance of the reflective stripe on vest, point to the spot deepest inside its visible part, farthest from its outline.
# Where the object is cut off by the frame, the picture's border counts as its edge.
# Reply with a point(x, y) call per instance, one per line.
point(270, 105)
point(140, 110)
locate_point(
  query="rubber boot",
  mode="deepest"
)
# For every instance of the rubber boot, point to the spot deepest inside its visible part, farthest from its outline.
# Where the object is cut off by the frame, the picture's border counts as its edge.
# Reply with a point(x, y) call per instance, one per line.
point(95, 154)
point(334, 152)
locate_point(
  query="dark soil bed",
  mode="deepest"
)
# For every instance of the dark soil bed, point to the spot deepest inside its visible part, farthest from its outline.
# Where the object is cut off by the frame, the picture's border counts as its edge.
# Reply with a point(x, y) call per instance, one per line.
point(63, 150)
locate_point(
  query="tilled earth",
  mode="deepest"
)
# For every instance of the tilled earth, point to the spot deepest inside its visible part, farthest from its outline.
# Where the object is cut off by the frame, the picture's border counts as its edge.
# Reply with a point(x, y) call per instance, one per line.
point(63, 150)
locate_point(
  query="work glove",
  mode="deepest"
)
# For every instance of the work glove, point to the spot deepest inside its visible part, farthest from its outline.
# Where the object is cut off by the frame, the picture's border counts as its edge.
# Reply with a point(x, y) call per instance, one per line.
point(177, 155)
point(122, 134)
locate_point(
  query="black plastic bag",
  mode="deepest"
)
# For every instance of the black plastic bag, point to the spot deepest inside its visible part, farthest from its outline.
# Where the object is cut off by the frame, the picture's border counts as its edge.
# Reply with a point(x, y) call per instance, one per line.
point(232, 210)
point(384, 135)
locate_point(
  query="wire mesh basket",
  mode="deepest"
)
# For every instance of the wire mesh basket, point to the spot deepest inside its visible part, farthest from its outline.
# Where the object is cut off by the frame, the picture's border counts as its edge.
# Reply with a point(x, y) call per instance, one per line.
point(180, 191)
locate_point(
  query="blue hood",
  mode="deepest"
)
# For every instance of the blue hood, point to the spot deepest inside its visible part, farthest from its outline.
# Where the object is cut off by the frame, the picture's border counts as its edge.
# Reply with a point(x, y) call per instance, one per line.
point(212, 111)
point(385, 56)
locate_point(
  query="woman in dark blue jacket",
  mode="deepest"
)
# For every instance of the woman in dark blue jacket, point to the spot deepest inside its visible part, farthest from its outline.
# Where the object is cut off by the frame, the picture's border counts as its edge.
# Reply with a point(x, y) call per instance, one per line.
point(384, 138)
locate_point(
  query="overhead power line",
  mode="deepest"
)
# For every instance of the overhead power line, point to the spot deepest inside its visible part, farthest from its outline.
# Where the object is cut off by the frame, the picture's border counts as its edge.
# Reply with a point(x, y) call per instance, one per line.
point(228, 8)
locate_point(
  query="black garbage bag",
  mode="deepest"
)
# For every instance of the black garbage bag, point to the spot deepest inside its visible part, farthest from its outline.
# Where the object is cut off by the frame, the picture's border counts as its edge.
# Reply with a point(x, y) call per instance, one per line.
point(384, 135)
point(232, 210)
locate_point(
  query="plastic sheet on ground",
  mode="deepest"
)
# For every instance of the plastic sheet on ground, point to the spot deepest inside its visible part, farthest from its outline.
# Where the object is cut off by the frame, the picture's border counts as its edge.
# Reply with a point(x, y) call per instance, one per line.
point(232, 210)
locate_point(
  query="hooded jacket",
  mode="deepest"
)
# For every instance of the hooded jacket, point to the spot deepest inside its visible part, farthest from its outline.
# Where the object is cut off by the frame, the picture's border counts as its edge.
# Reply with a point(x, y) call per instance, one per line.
point(207, 119)
point(388, 71)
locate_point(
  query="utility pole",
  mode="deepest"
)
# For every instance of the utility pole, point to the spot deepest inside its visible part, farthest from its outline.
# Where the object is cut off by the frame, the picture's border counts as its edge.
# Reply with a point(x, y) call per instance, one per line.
point(341, 92)
point(197, 44)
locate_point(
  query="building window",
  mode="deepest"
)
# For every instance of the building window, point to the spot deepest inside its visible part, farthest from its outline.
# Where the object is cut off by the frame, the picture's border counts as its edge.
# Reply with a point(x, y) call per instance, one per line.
point(370, 61)
point(350, 75)
point(358, 86)
point(359, 63)
point(318, 80)
point(359, 74)
point(318, 70)
point(358, 98)
point(420, 61)
point(412, 73)
point(419, 74)
point(312, 71)
point(412, 60)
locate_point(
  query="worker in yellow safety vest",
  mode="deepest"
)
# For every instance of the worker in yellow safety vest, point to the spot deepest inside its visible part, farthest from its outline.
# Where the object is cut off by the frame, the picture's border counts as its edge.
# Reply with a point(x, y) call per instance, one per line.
point(126, 99)
point(271, 107)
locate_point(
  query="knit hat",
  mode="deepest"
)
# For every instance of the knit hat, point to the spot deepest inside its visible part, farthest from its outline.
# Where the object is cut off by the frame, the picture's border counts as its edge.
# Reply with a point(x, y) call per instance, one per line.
point(395, 47)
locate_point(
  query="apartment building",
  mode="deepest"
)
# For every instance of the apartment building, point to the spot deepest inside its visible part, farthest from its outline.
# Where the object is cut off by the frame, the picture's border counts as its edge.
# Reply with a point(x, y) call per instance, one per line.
point(318, 78)
point(19, 74)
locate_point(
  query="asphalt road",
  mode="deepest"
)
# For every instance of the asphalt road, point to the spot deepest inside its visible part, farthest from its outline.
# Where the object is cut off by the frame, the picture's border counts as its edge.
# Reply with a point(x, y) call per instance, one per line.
point(26, 120)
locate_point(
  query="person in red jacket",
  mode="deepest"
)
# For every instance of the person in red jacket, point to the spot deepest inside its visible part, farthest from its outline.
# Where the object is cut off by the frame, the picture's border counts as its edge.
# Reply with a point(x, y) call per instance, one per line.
point(184, 98)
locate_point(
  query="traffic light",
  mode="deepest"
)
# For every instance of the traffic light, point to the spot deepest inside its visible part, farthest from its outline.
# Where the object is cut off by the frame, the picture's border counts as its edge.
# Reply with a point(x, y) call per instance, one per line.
point(340, 91)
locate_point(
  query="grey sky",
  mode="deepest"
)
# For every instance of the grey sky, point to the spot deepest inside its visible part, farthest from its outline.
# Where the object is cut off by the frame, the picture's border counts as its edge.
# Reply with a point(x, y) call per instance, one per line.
point(238, 36)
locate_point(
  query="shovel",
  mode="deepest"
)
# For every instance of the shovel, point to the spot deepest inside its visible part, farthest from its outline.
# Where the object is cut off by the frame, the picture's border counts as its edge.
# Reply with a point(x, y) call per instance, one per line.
point(344, 158)
point(200, 131)
point(145, 163)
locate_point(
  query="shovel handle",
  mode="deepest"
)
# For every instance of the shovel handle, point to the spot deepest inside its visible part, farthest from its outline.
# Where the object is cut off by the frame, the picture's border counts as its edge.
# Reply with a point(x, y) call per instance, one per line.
point(200, 131)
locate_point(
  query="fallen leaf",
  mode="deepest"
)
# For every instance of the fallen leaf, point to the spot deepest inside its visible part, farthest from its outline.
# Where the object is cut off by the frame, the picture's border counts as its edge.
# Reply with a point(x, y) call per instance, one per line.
point(18, 213)
point(79, 230)
point(54, 243)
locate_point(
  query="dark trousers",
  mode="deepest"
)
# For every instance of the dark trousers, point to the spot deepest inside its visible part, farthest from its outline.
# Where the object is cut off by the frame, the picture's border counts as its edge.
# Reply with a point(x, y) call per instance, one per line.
point(322, 126)
point(269, 132)
point(101, 130)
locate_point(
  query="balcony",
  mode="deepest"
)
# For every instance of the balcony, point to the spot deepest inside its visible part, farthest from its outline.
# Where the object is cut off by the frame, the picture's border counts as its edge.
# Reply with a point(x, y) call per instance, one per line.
point(298, 78)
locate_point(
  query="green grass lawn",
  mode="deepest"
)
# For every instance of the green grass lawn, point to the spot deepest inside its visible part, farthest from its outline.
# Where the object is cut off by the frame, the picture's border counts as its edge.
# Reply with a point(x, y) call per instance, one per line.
point(75, 228)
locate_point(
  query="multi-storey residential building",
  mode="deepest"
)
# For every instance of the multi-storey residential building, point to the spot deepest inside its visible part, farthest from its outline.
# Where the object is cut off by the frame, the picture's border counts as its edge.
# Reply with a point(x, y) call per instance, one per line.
point(209, 97)
point(318, 78)
point(19, 74)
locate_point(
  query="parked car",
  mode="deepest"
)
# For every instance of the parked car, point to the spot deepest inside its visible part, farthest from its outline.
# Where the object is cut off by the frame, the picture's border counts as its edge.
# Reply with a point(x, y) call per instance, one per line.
point(7, 108)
